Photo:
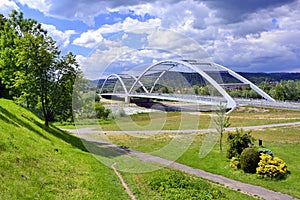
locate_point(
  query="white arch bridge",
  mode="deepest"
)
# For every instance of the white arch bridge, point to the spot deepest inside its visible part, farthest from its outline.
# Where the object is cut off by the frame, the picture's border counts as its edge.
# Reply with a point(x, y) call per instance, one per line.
point(145, 85)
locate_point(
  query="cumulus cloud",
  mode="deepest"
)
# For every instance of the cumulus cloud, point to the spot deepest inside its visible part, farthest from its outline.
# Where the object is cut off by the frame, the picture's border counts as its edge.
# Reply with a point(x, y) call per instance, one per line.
point(61, 37)
point(6, 6)
point(233, 11)
point(245, 35)
point(97, 64)
point(41, 5)
point(91, 38)
point(272, 51)
point(82, 10)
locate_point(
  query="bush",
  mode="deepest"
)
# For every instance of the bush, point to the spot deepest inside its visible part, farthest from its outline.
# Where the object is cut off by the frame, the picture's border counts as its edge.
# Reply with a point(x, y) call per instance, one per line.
point(237, 141)
point(271, 167)
point(235, 163)
point(249, 160)
point(101, 111)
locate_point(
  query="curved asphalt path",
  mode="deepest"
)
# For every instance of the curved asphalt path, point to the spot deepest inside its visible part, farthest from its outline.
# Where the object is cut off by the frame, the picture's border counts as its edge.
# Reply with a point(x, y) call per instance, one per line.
point(249, 189)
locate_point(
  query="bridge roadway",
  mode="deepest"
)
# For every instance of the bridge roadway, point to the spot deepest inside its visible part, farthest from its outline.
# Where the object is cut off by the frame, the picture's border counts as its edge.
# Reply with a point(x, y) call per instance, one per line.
point(207, 100)
point(210, 100)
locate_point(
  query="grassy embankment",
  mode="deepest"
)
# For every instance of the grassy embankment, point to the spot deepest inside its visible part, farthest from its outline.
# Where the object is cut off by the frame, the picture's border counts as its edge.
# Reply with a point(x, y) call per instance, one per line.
point(284, 142)
point(37, 162)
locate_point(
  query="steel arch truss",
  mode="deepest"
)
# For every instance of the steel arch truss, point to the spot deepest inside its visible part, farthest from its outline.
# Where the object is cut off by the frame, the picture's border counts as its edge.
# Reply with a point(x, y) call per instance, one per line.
point(193, 65)
point(121, 78)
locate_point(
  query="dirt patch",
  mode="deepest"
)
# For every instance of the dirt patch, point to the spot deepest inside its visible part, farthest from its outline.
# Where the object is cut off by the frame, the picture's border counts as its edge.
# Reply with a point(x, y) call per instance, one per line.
point(252, 110)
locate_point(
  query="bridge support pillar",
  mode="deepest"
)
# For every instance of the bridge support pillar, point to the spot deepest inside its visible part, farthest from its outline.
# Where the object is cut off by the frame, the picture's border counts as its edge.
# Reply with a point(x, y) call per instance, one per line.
point(127, 99)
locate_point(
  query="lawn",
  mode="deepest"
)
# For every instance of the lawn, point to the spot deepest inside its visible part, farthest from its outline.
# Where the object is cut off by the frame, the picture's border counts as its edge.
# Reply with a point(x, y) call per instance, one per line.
point(242, 116)
point(38, 162)
point(284, 142)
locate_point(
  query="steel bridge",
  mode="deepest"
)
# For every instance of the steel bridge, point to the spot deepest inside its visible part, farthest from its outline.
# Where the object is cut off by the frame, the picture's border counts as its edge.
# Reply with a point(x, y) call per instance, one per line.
point(128, 86)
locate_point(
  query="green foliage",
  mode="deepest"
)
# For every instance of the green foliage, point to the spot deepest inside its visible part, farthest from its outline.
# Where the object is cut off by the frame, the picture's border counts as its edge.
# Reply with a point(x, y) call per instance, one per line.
point(271, 167)
point(235, 163)
point(33, 70)
point(164, 89)
point(101, 111)
point(237, 141)
point(249, 160)
point(177, 185)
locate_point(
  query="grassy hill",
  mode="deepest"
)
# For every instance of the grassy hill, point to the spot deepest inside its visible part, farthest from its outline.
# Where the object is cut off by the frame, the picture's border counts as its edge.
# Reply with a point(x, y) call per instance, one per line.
point(37, 162)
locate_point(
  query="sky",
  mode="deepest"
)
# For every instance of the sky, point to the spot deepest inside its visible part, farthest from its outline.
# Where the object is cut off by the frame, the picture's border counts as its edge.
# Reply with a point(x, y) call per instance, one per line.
point(245, 36)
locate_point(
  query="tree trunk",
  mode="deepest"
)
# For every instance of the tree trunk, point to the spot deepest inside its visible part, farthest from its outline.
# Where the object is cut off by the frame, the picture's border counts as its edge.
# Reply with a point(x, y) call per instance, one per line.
point(221, 135)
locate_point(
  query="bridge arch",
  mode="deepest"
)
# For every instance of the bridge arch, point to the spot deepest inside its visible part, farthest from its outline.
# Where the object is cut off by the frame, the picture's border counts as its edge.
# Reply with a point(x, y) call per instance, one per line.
point(246, 81)
point(173, 63)
point(119, 78)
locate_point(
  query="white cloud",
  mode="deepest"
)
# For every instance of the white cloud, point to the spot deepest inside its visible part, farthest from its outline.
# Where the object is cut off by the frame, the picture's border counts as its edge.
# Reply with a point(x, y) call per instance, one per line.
point(41, 5)
point(92, 38)
point(89, 39)
point(271, 51)
point(61, 37)
point(97, 64)
point(249, 36)
point(6, 6)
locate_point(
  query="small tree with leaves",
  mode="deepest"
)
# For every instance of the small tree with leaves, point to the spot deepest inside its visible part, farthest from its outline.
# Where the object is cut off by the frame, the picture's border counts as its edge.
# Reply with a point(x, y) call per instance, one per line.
point(221, 121)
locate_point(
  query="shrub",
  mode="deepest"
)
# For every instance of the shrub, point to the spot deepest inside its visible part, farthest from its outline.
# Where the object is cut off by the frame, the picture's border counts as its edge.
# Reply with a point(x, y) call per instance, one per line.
point(101, 111)
point(235, 163)
point(249, 160)
point(271, 167)
point(237, 141)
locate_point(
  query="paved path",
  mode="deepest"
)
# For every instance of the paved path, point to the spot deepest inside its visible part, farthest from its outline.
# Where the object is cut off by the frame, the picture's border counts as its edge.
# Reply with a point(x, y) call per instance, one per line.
point(249, 189)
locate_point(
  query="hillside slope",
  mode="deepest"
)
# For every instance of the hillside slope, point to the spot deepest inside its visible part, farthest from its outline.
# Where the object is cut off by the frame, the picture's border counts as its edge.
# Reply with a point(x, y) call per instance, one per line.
point(37, 162)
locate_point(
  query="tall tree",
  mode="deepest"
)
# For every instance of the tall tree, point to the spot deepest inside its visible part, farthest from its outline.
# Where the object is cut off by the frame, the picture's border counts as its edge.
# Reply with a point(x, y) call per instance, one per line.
point(33, 70)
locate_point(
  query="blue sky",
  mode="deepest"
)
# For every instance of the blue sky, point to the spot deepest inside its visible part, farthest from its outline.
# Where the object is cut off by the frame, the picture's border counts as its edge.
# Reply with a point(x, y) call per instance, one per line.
point(248, 36)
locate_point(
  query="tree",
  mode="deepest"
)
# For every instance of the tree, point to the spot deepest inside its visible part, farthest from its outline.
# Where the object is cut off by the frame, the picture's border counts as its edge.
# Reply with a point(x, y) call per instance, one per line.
point(164, 90)
point(221, 121)
point(279, 92)
point(33, 69)
point(196, 89)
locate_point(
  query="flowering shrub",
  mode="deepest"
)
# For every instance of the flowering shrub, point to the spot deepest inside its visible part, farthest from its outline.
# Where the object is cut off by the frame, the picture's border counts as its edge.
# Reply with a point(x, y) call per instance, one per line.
point(235, 163)
point(271, 167)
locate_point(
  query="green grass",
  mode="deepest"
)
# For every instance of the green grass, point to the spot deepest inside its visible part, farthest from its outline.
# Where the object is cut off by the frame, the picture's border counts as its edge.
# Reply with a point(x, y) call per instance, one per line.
point(161, 183)
point(37, 162)
point(242, 116)
point(284, 142)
